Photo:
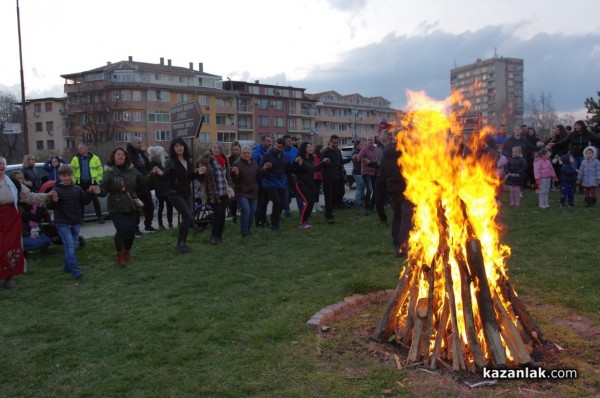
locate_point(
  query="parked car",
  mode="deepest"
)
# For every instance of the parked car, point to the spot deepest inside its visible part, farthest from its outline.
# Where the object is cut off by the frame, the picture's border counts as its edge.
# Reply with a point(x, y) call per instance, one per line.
point(346, 153)
point(89, 212)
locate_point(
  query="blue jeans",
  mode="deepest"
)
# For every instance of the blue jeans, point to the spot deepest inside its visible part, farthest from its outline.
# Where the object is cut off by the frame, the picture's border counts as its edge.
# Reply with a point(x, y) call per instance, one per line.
point(31, 244)
point(69, 234)
point(247, 209)
point(368, 181)
point(360, 189)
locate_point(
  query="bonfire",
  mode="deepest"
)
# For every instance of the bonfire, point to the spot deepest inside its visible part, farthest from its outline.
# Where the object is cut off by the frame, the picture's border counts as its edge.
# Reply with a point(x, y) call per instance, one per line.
point(454, 304)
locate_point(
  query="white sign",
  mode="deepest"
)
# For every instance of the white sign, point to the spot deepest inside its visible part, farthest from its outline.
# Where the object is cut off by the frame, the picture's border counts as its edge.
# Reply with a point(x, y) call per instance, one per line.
point(12, 128)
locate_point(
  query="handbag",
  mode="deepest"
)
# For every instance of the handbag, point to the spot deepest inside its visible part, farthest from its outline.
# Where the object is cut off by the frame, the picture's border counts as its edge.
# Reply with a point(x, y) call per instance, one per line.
point(136, 203)
point(230, 191)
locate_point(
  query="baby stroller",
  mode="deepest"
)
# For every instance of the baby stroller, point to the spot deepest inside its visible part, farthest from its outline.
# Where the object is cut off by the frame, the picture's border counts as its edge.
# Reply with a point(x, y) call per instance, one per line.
point(203, 213)
point(46, 223)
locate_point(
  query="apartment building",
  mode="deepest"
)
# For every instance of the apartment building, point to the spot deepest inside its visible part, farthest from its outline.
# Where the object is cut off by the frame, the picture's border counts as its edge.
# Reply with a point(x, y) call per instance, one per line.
point(494, 88)
point(265, 109)
point(350, 116)
point(110, 104)
point(106, 106)
point(48, 127)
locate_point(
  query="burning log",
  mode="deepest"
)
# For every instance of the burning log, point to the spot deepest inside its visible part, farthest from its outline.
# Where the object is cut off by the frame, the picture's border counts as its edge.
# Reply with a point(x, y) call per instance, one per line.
point(453, 303)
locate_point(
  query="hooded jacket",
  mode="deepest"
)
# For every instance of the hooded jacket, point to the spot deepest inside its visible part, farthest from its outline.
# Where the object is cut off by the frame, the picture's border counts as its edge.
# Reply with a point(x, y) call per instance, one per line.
point(568, 173)
point(589, 170)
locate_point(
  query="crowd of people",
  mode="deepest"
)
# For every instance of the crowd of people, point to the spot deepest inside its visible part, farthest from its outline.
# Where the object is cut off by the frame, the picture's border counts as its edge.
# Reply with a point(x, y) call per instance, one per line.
point(249, 179)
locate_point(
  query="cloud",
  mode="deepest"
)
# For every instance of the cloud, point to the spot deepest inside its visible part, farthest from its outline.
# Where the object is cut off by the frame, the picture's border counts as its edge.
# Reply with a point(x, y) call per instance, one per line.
point(565, 66)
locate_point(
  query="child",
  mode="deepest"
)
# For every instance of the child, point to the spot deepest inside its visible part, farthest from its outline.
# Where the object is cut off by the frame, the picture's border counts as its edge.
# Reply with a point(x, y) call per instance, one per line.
point(568, 176)
point(68, 204)
point(515, 175)
point(589, 175)
point(544, 174)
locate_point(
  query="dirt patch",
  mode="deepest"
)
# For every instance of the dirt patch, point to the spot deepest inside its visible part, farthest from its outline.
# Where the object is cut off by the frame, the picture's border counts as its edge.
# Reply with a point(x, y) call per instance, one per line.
point(572, 342)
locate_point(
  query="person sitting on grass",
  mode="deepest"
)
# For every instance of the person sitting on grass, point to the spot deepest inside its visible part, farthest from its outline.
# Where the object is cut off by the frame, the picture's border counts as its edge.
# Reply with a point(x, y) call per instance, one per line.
point(68, 203)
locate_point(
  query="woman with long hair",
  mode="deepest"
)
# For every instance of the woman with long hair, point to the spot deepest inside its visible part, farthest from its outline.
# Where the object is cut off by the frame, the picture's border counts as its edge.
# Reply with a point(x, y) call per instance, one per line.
point(179, 172)
point(120, 182)
point(32, 178)
point(304, 168)
point(215, 176)
point(318, 176)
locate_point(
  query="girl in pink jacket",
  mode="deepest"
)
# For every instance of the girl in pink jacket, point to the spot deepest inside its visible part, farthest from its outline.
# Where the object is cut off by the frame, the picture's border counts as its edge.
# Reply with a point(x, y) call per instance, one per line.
point(544, 175)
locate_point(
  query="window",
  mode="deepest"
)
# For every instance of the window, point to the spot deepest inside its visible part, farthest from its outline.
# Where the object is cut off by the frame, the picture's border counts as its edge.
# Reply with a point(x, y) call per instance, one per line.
point(126, 95)
point(136, 116)
point(50, 145)
point(69, 143)
point(278, 121)
point(39, 127)
point(37, 108)
point(182, 97)
point(278, 105)
point(263, 104)
point(83, 120)
point(203, 100)
point(48, 106)
point(126, 116)
point(126, 136)
point(263, 121)
point(137, 96)
point(159, 117)
point(86, 138)
point(49, 127)
point(221, 119)
point(204, 137)
point(157, 76)
point(163, 135)
point(226, 137)
point(158, 95)
point(39, 145)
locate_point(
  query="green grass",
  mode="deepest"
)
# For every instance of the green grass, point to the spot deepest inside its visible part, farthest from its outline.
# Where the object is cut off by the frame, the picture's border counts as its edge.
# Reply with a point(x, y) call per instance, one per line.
point(229, 320)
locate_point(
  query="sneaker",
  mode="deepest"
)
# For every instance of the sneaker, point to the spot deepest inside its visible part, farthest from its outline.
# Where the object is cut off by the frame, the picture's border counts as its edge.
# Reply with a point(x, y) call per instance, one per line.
point(305, 226)
point(309, 225)
point(150, 229)
point(138, 232)
point(76, 273)
point(183, 248)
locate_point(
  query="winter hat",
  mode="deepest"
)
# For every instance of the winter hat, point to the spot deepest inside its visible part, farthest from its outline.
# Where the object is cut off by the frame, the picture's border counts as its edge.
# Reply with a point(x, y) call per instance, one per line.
point(156, 150)
point(566, 158)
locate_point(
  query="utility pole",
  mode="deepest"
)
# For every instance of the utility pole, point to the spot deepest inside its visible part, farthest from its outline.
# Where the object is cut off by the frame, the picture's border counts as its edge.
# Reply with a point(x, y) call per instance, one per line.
point(24, 111)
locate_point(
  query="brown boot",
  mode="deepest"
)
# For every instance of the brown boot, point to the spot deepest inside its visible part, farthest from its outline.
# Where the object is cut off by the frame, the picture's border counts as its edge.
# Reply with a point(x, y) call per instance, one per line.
point(121, 258)
point(127, 256)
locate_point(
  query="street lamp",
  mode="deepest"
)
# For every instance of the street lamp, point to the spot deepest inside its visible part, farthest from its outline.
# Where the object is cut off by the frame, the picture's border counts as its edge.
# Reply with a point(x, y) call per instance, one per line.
point(354, 119)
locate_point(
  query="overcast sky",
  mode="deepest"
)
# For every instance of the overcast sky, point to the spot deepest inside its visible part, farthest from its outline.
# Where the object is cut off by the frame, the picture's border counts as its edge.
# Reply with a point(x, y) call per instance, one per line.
point(371, 47)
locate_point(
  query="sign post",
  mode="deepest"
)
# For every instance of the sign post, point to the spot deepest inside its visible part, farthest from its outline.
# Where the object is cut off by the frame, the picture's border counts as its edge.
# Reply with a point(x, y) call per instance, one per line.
point(186, 120)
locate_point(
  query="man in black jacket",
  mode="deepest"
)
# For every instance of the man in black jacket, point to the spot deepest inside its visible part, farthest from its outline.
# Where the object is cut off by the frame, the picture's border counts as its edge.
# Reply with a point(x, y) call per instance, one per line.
point(332, 164)
point(390, 176)
point(141, 162)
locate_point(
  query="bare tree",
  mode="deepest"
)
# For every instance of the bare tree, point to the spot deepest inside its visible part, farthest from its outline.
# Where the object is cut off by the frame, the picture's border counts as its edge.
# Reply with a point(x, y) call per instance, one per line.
point(97, 116)
point(541, 114)
point(11, 145)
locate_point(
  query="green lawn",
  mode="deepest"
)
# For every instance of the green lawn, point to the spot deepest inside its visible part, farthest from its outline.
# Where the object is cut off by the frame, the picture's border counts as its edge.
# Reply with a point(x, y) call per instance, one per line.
point(230, 320)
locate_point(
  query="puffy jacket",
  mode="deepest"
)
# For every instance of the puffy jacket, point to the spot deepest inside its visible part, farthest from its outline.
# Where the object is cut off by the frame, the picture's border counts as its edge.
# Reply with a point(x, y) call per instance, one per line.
point(589, 170)
point(121, 183)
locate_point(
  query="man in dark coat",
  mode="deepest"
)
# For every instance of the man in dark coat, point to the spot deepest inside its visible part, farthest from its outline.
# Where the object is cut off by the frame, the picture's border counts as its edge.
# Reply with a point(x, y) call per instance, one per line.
point(141, 162)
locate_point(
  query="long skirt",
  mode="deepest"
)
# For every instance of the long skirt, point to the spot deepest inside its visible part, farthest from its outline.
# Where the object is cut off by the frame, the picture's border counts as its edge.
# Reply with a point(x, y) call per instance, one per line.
point(12, 258)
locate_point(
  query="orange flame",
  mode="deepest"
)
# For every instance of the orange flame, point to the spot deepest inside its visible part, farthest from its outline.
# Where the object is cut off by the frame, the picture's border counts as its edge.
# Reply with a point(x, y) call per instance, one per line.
point(439, 178)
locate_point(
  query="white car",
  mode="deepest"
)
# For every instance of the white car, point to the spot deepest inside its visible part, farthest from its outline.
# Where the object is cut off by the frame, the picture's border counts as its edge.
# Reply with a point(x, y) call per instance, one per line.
point(346, 153)
point(89, 212)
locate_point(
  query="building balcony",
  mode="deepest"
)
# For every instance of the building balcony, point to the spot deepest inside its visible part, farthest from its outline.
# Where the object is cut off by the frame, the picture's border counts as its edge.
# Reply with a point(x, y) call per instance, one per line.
point(245, 108)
